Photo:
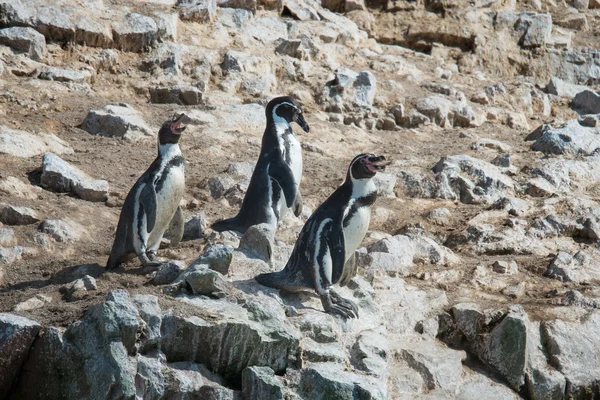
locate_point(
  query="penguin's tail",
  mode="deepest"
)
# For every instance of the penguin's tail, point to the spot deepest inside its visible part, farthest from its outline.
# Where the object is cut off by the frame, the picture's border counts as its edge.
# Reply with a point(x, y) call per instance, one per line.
point(231, 224)
point(113, 261)
point(275, 280)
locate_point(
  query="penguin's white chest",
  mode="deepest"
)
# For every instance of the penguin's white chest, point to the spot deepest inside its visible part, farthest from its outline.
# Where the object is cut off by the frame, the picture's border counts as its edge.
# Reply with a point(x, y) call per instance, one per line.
point(295, 158)
point(355, 230)
point(168, 196)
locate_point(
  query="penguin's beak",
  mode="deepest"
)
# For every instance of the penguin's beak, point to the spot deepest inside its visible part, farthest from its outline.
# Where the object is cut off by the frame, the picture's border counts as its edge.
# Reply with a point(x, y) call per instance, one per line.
point(177, 123)
point(299, 119)
point(376, 163)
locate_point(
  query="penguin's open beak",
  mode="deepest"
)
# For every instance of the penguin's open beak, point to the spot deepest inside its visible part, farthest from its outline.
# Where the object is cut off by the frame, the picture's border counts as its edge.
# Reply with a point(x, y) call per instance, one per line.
point(177, 123)
point(299, 119)
point(376, 163)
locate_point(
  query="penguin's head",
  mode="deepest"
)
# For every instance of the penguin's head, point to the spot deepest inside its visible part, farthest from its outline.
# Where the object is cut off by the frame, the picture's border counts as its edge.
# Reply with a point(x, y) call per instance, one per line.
point(365, 166)
point(171, 130)
point(286, 109)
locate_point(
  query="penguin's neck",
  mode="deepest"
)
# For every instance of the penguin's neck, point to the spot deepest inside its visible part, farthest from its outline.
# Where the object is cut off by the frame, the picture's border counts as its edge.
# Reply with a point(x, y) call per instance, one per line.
point(168, 150)
point(280, 125)
point(362, 187)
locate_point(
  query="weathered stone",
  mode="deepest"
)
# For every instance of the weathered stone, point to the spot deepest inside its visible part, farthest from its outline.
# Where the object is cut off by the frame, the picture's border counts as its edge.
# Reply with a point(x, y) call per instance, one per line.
point(7, 237)
point(203, 11)
point(505, 267)
point(230, 342)
point(24, 39)
point(249, 5)
point(302, 48)
point(586, 102)
point(168, 272)
point(16, 337)
point(440, 367)
point(258, 241)
point(217, 257)
point(24, 144)
point(59, 175)
point(219, 185)
point(579, 268)
point(93, 32)
point(329, 381)
point(370, 352)
point(385, 184)
point(107, 334)
point(78, 289)
point(574, 350)
point(260, 383)
point(61, 75)
point(195, 226)
point(570, 138)
point(59, 230)
point(11, 215)
point(119, 120)
point(205, 281)
point(560, 88)
point(135, 33)
point(182, 95)
point(16, 187)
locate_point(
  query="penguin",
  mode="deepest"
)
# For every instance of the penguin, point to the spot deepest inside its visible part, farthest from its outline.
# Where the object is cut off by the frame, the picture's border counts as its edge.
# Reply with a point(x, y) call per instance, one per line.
point(274, 185)
point(152, 202)
point(324, 253)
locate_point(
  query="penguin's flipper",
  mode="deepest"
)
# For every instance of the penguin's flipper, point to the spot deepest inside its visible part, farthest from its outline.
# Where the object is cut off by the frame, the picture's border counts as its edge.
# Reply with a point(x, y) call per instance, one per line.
point(298, 204)
point(147, 201)
point(337, 250)
point(282, 173)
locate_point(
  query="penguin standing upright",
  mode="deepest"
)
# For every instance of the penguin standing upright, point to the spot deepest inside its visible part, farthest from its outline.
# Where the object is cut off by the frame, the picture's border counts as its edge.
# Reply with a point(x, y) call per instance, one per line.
point(324, 252)
point(274, 186)
point(152, 202)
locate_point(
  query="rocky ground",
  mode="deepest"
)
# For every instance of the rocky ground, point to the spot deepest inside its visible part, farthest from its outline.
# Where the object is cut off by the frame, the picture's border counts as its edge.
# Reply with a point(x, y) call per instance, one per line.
point(479, 274)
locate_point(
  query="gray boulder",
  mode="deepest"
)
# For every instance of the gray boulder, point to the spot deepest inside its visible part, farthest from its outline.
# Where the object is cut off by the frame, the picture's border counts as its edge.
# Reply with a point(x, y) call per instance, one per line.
point(12, 215)
point(168, 272)
point(574, 348)
point(586, 102)
point(78, 289)
point(260, 383)
point(200, 11)
point(258, 241)
point(204, 281)
point(578, 268)
point(195, 226)
point(119, 120)
point(16, 337)
point(135, 33)
point(571, 139)
point(59, 230)
point(217, 257)
point(60, 176)
point(62, 75)
point(24, 144)
point(182, 95)
point(561, 88)
point(324, 381)
point(24, 39)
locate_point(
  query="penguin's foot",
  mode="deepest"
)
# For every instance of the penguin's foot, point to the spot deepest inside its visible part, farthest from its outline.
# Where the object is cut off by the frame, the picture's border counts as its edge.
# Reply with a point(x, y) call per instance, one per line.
point(342, 302)
point(149, 260)
point(331, 307)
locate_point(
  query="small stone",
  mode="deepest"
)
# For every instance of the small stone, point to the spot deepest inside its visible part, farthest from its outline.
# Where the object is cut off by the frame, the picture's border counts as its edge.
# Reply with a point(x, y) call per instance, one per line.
point(204, 281)
point(27, 40)
point(502, 160)
point(517, 121)
point(12, 215)
point(61, 75)
point(78, 289)
point(219, 185)
point(33, 303)
point(24, 144)
point(480, 98)
point(586, 102)
point(168, 272)
point(195, 226)
point(385, 184)
point(505, 267)
point(59, 230)
point(7, 237)
point(515, 291)
point(440, 216)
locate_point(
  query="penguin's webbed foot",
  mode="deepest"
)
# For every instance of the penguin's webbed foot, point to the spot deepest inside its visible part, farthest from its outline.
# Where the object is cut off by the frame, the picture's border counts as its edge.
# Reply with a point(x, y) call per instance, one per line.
point(339, 300)
point(149, 260)
point(344, 308)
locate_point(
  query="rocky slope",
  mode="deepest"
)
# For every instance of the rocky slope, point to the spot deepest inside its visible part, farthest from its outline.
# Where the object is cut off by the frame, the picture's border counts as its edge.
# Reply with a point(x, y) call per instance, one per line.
point(478, 277)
